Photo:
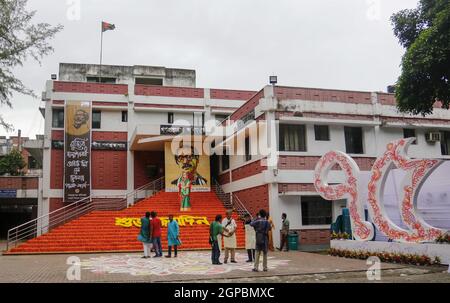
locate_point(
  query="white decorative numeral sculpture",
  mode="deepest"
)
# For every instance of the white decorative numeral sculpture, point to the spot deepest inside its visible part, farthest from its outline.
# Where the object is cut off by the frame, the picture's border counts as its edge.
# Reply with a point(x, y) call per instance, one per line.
point(417, 170)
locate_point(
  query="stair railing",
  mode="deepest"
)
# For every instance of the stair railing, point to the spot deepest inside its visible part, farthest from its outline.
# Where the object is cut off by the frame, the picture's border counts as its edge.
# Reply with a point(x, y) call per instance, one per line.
point(224, 197)
point(51, 220)
point(239, 207)
point(230, 201)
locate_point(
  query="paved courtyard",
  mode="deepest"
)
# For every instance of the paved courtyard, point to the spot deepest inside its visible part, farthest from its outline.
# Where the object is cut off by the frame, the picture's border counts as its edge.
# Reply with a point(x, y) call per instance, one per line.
point(195, 266)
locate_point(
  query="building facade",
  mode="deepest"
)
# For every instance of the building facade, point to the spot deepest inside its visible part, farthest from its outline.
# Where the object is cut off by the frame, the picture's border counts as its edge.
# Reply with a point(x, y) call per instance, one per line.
point(132, 105)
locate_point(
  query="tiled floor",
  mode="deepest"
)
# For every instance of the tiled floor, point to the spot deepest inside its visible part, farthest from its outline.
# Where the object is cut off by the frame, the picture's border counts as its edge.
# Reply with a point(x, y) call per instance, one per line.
point(189, 266)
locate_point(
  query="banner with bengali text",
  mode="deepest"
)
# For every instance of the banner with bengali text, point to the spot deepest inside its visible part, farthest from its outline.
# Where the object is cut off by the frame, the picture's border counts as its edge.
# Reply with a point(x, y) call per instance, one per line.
point(77, 150)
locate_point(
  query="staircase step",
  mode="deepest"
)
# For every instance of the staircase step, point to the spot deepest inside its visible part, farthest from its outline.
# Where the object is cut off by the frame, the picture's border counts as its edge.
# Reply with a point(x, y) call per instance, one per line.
point(96, 231)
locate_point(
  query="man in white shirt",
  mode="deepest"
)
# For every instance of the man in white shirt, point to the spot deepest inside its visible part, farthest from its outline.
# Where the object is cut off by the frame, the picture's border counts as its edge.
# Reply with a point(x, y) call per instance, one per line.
point(229, 237)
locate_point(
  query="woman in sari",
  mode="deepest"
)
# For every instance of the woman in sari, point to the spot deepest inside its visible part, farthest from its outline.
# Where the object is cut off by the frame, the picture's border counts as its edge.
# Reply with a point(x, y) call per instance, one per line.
point(184, 188)
point(272, 226)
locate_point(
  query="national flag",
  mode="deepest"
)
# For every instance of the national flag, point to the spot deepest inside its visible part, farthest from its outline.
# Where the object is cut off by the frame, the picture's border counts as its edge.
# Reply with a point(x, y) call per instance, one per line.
point(107, 26)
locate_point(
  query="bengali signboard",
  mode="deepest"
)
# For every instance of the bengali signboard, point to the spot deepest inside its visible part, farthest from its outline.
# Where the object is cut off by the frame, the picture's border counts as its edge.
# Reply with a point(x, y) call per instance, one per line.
point(77, 151)
point(186, 160)
point(8, 193)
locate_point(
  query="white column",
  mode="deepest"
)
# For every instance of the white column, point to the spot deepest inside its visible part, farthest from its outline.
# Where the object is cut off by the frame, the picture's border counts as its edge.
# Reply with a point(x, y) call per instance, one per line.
point(131, 126)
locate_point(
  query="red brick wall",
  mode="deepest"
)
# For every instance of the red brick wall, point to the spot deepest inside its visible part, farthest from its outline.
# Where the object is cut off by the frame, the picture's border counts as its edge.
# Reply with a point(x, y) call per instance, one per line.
point(108, 169)
point(106, 103)
point(92, 88)
point(167, 106)
point(326, 116)
point(248, 170)
point(309, 163)
point(248, 106)
point(57, 135)
point(254, 198)
point(313, 236)
point(166, 91)
point(290, 187)
point(109, 136)
point(386, 99)
point(55, 203)
point(227, 94)
point(18, 183)
point(56, 169)
point(224, 178)
point(324, 95)
point(414, 120)
point(141, 160)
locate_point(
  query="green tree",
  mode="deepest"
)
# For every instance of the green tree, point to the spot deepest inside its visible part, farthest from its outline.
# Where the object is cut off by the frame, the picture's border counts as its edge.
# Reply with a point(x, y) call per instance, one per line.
point(12, 163)
point(20, 39)
point(425, 33)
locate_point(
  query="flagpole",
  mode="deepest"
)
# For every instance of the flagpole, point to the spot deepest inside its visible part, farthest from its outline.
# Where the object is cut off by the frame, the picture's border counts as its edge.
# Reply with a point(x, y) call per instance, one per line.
point(101, 54)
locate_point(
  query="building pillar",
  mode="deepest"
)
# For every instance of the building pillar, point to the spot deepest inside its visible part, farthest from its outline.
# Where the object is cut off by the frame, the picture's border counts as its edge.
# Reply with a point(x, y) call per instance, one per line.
point(131, 126)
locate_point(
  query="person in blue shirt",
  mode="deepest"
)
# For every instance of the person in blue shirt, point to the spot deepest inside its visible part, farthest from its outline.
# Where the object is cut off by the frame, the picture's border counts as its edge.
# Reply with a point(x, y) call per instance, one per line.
point(173, 236)
point(145, 235)
point(262, 227)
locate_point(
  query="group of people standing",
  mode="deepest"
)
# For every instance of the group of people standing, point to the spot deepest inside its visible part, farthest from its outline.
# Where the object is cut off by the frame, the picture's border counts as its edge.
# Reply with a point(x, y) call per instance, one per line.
point(150, 235)
point(258, 237)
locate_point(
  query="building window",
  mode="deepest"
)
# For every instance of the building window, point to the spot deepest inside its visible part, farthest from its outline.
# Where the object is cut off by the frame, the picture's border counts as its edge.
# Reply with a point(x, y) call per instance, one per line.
point(170, 118)
point(124, 116)
point(96, 119)
point(149, 81)
point(410, 133)
point(445, 143)
point(109, 80)
point(58, 117)
point(322, 132)
point(221, 118)
point(32, 163)
point(248, 155)
point(225, 162)
point(292, 138)
point(316, 211)
point(199, 119)
point(353, 140)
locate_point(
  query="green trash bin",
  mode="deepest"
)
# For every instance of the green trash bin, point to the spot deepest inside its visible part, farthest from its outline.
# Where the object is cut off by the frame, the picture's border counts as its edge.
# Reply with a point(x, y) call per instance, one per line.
point(293, 241)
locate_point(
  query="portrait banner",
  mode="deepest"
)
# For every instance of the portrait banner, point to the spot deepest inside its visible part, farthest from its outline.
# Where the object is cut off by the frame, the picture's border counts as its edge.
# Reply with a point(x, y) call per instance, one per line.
point(186, 160)
point(77, 150)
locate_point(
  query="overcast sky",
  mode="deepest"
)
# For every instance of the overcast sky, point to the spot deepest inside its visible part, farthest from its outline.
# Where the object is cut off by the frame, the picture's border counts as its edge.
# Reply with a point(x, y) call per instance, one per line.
point(236, 44)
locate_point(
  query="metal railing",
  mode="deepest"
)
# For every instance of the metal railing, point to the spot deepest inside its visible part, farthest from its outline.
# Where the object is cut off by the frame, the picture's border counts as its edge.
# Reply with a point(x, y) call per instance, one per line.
point(239, 207)
point(230, 201)
point(51, 220)
point(224, 197)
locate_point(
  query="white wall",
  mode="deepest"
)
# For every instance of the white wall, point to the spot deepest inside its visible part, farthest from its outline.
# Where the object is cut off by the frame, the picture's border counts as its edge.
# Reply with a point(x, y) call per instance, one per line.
point(111, 120)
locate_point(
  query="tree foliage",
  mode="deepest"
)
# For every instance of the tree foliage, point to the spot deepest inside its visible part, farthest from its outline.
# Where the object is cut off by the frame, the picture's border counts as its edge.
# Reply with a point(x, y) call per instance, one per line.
point(425, 33)
point(20, 39)
point(12, 163)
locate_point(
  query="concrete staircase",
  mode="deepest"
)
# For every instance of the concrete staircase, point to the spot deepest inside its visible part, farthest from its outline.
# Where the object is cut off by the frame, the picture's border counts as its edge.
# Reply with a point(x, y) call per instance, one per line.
point(98, 232)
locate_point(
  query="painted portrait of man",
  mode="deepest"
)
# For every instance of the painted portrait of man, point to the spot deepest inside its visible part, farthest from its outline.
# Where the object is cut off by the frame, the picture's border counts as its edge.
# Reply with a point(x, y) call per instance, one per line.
point(80, 118)
point(188, 160)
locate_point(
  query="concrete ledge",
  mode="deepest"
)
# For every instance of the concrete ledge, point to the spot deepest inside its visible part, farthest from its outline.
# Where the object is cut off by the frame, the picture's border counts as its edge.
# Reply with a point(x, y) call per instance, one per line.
point(431, 250)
